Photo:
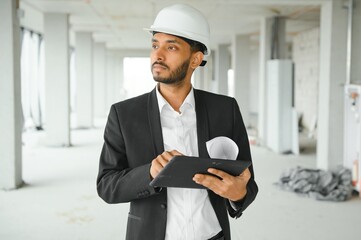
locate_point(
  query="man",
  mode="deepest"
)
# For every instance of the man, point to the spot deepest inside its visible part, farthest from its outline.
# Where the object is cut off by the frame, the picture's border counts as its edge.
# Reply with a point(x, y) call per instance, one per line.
point(143, 133)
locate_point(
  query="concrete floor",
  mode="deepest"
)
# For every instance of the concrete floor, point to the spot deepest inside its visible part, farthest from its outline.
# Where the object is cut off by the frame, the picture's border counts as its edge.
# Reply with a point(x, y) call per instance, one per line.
point(59, 200)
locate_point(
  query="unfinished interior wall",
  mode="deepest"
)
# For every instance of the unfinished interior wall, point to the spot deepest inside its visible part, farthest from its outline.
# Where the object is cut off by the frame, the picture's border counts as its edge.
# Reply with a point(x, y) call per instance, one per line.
point(306, 48)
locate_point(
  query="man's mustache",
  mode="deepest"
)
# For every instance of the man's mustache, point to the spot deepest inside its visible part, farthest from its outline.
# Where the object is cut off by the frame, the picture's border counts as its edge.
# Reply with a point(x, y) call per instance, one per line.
point(160, 63)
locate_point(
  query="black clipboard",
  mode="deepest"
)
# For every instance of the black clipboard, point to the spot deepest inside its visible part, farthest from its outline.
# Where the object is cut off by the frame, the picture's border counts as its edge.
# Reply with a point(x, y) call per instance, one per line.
point(180, 170)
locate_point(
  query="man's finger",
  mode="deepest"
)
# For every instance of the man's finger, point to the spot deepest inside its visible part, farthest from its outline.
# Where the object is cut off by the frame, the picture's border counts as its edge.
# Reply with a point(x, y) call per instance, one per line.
point(208, 181)
point(162, 160)
point(175, 153)
point(245, 174)
point(219, 173)
point(156, 167)
point(166, 155)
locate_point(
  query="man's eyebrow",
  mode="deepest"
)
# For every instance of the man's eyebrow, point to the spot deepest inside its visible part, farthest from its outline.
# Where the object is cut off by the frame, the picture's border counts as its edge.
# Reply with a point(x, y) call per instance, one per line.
point(173, 41)
point(168, 41)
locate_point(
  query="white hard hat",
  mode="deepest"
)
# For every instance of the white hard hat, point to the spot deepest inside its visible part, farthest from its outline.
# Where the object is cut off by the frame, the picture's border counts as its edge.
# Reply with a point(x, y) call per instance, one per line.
point(184, 21)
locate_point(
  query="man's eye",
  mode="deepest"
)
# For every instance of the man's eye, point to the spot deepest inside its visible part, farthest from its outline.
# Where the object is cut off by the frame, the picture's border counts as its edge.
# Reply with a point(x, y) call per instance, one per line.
point(172, 48)
point(154, 46)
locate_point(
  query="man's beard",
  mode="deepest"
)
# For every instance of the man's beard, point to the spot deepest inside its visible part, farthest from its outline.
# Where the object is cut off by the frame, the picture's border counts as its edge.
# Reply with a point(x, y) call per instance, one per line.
point(176, 77)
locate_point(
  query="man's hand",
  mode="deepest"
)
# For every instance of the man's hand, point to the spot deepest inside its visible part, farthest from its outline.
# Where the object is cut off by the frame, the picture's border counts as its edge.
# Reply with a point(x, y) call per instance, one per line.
point(160, 161)
point(228, 186)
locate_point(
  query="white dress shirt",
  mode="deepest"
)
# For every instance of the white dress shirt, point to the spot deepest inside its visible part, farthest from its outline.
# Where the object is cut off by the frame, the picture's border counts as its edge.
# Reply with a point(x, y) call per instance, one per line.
point(190, 215)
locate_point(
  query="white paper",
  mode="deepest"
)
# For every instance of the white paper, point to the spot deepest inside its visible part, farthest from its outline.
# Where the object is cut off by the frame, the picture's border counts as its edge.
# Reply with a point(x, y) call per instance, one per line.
point(222, 148)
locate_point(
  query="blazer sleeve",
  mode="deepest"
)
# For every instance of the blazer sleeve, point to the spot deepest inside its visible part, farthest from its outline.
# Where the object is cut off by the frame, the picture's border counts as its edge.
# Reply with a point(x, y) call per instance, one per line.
point(241, 138)
point(116, 181)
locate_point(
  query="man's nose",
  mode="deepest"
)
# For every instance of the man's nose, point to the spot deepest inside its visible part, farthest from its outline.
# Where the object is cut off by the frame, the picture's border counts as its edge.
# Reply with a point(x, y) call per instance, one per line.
point(158, 54)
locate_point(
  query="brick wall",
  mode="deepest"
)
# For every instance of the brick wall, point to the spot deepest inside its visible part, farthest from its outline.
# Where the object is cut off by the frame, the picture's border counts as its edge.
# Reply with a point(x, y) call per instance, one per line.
point(305, 54)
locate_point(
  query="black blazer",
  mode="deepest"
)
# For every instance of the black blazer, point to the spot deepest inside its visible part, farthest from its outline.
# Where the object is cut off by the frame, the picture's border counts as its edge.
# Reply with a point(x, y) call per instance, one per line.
point(133, 138)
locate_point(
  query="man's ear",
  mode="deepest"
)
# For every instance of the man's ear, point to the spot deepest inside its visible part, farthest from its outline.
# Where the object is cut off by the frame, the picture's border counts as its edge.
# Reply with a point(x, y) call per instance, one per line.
point(197, 59)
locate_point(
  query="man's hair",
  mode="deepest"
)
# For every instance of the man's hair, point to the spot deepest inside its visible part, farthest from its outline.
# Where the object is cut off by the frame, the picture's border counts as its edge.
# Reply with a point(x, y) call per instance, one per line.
point(195, 45)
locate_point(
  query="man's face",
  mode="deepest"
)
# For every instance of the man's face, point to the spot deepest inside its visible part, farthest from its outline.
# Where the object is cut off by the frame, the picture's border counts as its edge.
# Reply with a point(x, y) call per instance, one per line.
point(170, 59)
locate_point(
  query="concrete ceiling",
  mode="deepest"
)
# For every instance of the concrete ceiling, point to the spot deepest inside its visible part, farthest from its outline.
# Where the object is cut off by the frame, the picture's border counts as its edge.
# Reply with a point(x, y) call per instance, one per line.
point(119, 23)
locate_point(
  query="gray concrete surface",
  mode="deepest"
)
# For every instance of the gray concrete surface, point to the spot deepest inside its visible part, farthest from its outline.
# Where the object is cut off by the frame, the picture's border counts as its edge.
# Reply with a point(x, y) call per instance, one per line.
point(59, 200)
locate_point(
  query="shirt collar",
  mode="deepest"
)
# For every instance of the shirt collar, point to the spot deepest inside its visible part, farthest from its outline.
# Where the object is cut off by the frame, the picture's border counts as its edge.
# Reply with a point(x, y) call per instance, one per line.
point(189, 100)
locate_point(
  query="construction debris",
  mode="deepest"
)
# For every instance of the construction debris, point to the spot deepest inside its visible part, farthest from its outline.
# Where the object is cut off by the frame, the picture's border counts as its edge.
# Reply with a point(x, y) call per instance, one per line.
point(318, 184)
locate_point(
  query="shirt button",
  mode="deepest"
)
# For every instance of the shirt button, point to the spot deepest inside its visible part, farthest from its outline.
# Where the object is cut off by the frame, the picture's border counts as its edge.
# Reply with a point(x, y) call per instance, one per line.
point(163, 206)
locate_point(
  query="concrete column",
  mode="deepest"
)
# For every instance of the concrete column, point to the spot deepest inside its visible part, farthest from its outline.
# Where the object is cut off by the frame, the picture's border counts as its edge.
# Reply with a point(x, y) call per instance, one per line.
point(209, 77)
point(332, 77)
point(254, 86)
point(264, 56)
point(110, 77)
point(100, 108)
point(119, 78)
point(196, 78)
point(57, 90)
point(222, 64)
point(241, 68)
point(202, 78)
point(278, 41)
point(10, 98)
point(199, 78)
point(84, 78)
point(356, 46)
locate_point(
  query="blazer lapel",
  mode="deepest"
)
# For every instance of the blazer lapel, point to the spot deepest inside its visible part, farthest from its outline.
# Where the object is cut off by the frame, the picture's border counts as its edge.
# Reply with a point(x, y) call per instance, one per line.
point(202, 124)
point(154, 123)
